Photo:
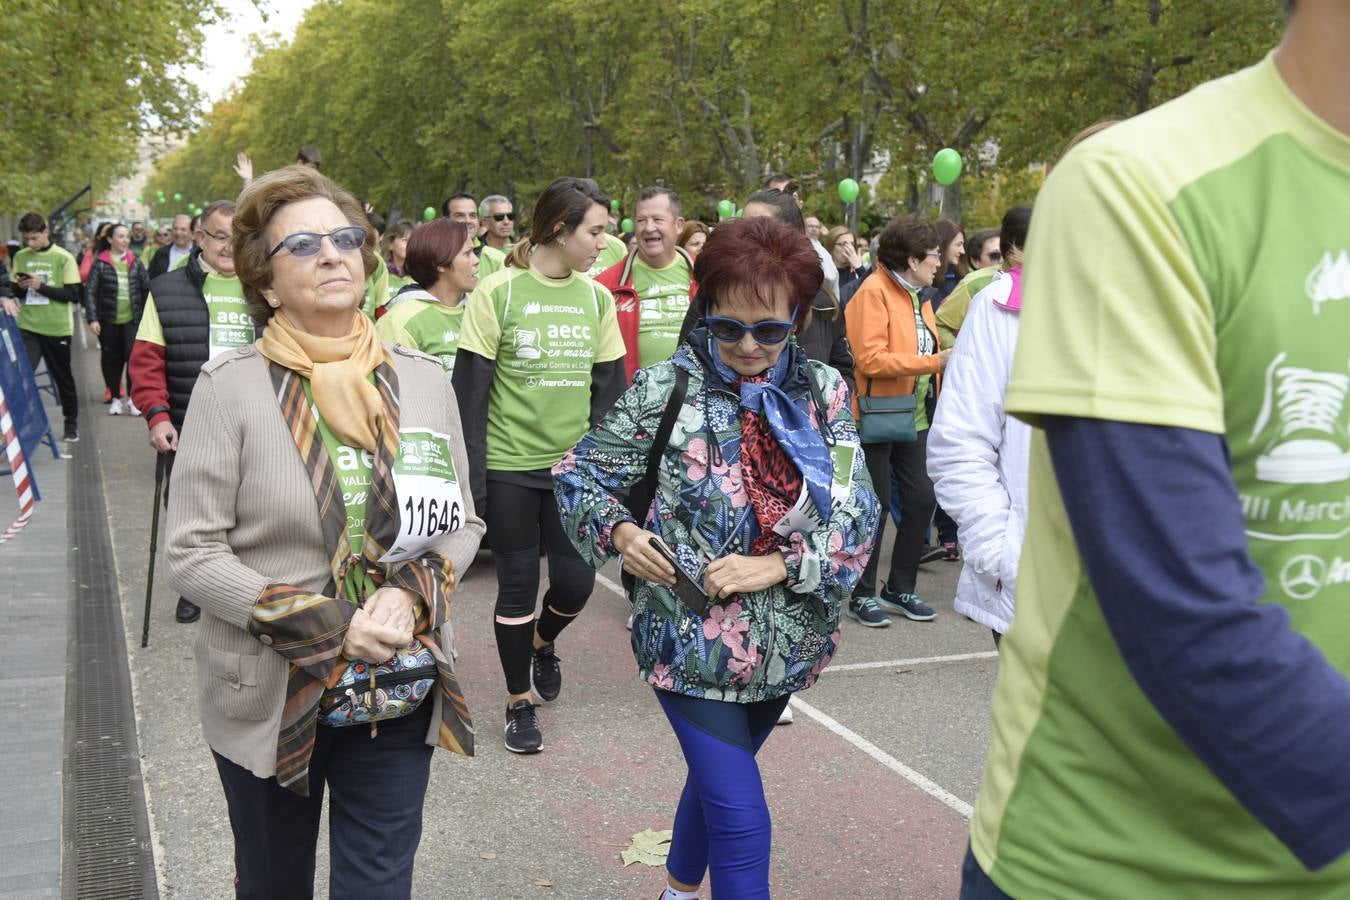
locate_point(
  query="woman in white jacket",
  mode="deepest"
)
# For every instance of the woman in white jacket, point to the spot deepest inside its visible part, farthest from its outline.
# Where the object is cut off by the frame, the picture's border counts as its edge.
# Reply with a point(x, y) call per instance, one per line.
point(977, 455)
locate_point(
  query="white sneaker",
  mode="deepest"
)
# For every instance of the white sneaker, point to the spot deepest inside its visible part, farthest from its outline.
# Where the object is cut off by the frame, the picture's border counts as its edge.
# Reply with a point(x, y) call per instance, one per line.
point(1305, 407)
point(115, 408)
point(785, 718)
point(129, 408)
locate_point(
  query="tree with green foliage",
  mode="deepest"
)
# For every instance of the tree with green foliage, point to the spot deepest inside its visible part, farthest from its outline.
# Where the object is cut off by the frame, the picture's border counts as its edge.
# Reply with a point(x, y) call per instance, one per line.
point(84, 83)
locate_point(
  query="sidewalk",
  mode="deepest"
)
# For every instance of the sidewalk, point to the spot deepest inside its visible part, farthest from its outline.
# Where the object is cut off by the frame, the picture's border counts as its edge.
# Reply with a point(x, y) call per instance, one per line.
point(33, 606)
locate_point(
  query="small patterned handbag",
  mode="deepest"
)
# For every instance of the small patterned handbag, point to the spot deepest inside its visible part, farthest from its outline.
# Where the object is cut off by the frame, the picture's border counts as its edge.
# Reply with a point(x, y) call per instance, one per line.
point(365, 694)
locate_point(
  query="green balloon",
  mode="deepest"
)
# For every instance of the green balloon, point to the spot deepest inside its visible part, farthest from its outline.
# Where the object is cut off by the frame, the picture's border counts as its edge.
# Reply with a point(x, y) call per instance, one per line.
point(626, 225)
point(177, 198)
point(614, 206)
point(848, 190)
point(726, 208)
point(946, 166)
point(428, 214)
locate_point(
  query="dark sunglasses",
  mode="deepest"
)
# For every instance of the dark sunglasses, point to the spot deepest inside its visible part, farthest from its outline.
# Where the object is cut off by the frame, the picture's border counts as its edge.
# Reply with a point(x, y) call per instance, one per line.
point(502, 217)
point(769, 332)
point(307, 243)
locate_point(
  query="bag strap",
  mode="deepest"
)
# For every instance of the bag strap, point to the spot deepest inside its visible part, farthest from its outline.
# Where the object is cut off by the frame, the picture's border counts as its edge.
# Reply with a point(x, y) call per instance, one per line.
point(668, 417)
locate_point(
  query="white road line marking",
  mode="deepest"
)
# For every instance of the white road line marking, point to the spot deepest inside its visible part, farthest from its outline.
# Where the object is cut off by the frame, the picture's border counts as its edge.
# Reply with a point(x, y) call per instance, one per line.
point(611, 584)
point(923, 783)
point(922, 660)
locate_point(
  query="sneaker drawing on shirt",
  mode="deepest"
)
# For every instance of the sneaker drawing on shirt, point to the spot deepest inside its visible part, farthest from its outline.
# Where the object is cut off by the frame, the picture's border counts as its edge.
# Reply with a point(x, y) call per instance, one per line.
point(1306, 407)
point(1329, 280)
point(527, 343)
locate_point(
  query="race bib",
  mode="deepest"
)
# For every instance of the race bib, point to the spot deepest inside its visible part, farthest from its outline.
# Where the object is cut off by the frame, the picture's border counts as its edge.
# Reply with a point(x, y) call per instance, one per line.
point(431, 504)
point(804, 517)
point(33, 298)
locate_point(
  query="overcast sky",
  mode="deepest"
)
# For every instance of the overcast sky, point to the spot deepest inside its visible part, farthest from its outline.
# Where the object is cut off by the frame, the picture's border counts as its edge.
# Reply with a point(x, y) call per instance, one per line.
point(225, 56)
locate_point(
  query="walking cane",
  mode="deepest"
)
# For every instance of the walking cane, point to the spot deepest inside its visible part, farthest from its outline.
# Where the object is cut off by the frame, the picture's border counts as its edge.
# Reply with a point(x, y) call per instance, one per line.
point(154, 544)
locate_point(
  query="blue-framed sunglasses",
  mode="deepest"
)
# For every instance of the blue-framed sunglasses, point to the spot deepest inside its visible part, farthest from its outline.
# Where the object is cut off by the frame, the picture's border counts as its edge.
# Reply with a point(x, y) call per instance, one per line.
point(308, 243)
point(768, 332)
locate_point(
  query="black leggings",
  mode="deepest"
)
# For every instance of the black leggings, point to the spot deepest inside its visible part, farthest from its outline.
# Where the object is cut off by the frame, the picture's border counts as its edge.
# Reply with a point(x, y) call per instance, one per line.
point(519, 519)
point(909, 462)
point(116, 341)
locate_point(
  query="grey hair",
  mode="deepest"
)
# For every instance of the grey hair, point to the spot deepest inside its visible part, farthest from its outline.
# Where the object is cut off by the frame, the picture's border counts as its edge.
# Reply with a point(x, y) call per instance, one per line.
point(487, 203)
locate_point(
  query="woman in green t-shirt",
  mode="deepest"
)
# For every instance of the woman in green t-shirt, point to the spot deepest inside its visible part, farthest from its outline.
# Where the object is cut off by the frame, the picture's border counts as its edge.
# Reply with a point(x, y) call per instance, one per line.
point(114, 295)
point(396, 254)
point(428, 315)
point(540, 360)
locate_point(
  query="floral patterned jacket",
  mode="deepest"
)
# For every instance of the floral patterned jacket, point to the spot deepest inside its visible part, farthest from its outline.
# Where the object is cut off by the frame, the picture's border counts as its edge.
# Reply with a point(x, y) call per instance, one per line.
point(747, 647)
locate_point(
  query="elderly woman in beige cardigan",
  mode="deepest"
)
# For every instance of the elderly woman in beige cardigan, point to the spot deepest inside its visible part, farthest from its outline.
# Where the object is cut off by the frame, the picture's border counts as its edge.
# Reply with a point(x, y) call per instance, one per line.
point(317, 519)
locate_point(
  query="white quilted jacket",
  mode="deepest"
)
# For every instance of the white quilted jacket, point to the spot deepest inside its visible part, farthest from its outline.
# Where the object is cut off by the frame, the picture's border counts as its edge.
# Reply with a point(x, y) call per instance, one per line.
point(977, 457)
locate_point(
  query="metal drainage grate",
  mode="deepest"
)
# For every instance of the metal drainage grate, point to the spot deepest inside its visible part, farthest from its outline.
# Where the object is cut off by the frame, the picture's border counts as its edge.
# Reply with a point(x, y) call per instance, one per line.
point(106, 848)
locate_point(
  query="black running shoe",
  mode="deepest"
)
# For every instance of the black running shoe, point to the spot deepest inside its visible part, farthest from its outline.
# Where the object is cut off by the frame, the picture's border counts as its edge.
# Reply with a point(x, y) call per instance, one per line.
point(522, 728)
point(72, 434)
point(931, 553)
point(546, 673)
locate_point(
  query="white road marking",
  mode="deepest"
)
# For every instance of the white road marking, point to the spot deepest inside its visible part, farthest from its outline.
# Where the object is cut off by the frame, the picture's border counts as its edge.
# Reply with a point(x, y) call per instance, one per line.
point(919, 780)
point(922, 782)
point(611, 584)
point(922, 660)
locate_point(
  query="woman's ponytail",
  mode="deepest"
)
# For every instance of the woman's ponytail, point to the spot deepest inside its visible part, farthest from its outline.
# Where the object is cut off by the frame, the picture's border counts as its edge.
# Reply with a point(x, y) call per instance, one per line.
point(519, 257)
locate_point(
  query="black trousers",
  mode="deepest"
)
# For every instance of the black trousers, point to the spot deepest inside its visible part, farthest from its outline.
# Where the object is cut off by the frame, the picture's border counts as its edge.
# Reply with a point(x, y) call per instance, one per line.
point(116, 342)
point(55, 352)
point(909, 463)
point(377, 787)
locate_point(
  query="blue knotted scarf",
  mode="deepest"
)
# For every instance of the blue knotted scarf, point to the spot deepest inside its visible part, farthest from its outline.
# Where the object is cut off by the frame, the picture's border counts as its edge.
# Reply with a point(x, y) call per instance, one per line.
point(790, 425)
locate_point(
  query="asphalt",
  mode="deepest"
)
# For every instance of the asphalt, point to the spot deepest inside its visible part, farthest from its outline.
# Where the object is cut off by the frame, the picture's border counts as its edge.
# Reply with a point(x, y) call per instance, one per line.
point(870, 789)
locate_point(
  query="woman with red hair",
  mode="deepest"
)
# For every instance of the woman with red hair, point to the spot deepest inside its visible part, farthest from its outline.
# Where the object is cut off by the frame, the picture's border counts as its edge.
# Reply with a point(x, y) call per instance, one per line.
point(761, 522)
point(427, 314)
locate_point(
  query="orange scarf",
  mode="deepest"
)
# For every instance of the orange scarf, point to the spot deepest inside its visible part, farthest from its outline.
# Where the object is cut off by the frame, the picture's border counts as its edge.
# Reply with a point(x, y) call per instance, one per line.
point(338, 372)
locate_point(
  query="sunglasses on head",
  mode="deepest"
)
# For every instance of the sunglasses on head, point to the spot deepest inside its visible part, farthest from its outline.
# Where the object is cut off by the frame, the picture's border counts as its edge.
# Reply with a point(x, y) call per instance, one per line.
point(502, 217)
point(769, 331)
point(308, 243)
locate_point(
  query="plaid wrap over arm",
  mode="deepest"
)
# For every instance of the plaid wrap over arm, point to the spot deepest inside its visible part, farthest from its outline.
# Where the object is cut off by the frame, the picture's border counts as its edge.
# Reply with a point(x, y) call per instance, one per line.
point(308, 629)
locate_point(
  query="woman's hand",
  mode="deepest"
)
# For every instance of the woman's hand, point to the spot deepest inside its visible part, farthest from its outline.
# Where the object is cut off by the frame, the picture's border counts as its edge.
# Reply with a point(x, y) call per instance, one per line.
point(394, 607)
point(373, 641)
point(243, 167)
point(640, 558)
point(852, 257)
point(744, 574)
point(96, 327)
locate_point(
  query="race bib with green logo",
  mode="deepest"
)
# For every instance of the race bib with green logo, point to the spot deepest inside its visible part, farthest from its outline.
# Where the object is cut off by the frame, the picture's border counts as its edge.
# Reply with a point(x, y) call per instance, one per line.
point(431, 504)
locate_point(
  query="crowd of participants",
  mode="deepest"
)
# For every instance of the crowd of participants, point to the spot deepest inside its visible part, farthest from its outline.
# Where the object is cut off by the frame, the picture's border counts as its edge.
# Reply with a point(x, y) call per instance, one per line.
point(736, 410)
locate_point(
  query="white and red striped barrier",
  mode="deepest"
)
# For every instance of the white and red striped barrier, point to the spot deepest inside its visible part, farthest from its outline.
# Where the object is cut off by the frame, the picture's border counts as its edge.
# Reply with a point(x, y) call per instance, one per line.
point(23, 483)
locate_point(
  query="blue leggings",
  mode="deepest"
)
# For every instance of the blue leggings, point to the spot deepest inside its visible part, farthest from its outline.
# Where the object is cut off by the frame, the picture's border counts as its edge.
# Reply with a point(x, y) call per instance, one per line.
point(722, 822)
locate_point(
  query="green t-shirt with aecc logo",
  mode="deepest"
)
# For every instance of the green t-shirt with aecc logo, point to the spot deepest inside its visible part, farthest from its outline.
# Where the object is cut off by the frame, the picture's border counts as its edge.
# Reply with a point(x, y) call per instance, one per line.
point(490, 260)
point(544, 335)
point(663, 301)
point(38, 313)
point(353, 466)
point(231, 324)
point(614, 252)
point(422, 322)
point(1222, 306)
point(377, 288)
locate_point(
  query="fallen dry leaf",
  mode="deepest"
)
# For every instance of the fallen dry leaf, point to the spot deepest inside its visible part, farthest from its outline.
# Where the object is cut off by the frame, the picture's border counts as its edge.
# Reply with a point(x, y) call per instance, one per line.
point(543, 882)
point(649, 848)
point(487, 854)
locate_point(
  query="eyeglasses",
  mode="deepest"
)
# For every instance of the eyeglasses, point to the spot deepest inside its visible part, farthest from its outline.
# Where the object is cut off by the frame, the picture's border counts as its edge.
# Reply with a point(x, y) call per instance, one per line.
point(936, 253)
point(769, 332)
point(307, 243)
point(502, 217)
point(161, 234)
point(220, 238)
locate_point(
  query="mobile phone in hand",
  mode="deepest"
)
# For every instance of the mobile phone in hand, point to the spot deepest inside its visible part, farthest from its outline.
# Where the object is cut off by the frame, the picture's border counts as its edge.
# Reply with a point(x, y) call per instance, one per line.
point(686, 587)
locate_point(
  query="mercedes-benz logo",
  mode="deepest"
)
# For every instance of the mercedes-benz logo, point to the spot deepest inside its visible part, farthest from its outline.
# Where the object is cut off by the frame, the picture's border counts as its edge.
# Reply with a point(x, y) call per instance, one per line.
point(1302, 576)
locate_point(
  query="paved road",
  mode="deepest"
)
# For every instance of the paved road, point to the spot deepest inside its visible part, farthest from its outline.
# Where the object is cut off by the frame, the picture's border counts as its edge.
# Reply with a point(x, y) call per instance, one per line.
point(870, 789)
